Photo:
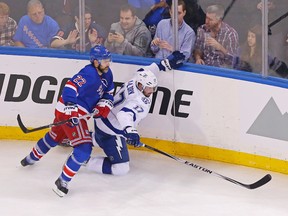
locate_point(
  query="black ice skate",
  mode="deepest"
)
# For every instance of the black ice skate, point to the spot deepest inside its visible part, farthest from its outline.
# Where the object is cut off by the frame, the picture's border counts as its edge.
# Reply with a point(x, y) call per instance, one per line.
point(24, 162)
point(60, 187)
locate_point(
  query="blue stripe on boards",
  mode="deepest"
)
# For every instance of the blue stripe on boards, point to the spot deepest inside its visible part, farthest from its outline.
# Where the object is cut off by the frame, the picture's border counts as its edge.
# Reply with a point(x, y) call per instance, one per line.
point(135, 60)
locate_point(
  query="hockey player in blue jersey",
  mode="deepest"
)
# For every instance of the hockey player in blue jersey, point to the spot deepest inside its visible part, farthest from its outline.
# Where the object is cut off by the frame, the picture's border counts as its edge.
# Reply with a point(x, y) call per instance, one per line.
point(89, 90)
point(131, 104)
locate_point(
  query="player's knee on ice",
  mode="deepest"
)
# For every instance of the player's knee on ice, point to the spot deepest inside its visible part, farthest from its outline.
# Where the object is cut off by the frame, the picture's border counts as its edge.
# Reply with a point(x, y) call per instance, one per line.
point(103, 165)
point(120, 169)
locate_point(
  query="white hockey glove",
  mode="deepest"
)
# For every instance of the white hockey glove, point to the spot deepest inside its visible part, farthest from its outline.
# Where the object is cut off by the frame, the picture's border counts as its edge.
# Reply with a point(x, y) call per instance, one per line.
point(103, 108)
point(173, 61)
point(132, 137)
point(71, 113)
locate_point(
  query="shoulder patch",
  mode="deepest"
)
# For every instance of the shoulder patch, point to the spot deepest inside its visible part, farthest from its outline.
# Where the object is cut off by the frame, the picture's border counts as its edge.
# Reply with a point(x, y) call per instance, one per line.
point(146, 100)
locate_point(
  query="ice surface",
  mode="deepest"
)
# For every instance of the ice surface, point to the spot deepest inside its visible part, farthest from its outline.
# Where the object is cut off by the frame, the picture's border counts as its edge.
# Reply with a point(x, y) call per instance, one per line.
point(155, 185)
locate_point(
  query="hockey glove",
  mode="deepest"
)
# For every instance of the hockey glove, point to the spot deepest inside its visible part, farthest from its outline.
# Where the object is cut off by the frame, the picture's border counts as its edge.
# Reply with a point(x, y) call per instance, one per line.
point(71, 112)
point(132, 136)
point(103, 108)
point(173, 61)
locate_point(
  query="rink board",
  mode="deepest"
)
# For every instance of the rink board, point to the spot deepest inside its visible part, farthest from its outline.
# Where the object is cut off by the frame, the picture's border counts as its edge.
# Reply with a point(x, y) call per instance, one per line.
point(215, 117)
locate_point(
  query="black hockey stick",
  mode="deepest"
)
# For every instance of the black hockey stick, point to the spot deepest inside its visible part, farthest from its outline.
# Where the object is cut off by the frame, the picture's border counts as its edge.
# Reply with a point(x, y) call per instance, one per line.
point(257, 184)
point(26, 130)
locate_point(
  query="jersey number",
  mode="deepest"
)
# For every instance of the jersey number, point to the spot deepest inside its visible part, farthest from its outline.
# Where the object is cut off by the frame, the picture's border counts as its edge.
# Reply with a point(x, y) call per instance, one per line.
point(79, 80)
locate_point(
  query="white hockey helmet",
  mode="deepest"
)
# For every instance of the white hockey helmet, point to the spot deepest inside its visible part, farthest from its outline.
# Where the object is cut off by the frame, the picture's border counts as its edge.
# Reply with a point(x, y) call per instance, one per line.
point(147, 79)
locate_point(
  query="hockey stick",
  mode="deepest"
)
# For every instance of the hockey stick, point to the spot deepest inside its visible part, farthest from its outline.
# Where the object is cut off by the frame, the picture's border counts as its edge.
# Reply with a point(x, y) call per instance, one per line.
point(26, 130)
point(257, 184)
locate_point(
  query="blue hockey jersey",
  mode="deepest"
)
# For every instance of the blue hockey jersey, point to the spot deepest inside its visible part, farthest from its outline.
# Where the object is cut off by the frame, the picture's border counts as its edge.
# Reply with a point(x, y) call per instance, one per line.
point(86, 88)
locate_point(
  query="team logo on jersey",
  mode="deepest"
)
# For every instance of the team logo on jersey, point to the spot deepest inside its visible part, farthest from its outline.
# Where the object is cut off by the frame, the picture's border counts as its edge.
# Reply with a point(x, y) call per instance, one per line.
point(100, 90)
point(104, 82)
point(146, 100)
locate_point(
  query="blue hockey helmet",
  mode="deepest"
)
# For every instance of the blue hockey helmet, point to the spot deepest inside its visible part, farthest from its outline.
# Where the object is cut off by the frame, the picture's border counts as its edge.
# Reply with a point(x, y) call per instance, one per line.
point(99, 53)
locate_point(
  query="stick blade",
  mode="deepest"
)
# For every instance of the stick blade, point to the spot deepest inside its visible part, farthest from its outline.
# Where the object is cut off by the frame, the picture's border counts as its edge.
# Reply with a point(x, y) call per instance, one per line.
point(260, 182)
point(21, 125)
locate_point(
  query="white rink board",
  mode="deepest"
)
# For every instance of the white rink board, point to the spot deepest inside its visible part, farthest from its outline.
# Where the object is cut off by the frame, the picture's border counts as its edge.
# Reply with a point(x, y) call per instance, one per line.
point(221, 110)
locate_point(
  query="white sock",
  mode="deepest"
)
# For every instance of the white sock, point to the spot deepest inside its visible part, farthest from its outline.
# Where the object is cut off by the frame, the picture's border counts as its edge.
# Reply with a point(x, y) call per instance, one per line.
point(95, 164)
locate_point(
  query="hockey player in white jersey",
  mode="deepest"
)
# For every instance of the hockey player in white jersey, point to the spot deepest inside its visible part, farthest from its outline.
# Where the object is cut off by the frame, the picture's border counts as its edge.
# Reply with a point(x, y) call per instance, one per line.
point(131, 104)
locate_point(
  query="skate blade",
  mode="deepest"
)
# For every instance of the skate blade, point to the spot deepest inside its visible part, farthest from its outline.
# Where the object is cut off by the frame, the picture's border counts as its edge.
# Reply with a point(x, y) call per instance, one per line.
point(58, 192)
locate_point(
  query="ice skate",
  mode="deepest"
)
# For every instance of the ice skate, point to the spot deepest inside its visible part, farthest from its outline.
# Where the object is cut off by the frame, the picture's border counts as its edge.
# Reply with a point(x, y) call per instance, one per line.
point(27, 162)
point(60, 187)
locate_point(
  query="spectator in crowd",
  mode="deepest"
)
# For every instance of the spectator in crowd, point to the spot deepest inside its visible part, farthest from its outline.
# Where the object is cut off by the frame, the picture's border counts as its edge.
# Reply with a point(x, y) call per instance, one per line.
point(195, 16)
point(17, 8)
point(236, 14)
point(7, 26)
point(35, 30)
point(61, 10)
point(130, 35)
point(277, 32)
point(162, 44)
point(155, 15)
point(251, 51)
point(216, 41)
point(241, 13)
point(94, 33)
point(142, 7)
point(105, 12)
point(251, 56)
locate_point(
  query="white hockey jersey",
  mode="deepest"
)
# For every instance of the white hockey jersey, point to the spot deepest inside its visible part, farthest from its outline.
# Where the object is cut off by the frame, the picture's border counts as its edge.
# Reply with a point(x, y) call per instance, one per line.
point(130, 107)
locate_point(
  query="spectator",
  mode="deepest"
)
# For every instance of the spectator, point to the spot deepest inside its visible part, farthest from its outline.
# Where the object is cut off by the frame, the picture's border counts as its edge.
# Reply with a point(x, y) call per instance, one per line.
point(94, 33)
point(195, 16)
point(17, 8)
point(236, 14)
point(155, 15)
point(277, 32)
point(142, 6)
point(216, 41)
point(61, 10)
point(251, 56)
point(251, 51)
point(162, 44)
point(130, 35)
point(35, 30)
point(7, 26)
point(105, 12)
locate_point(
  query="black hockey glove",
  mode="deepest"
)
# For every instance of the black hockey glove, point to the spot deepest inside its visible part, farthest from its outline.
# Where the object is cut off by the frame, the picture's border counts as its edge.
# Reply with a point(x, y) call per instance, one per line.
point(173, 61)
point(132, 136)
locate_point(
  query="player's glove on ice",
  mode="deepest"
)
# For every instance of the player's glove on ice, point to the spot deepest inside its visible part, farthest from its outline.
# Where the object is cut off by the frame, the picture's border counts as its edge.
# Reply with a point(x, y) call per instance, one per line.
point(103, 108)
point(173, 61)
point(71, 113)
point(132, 136)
